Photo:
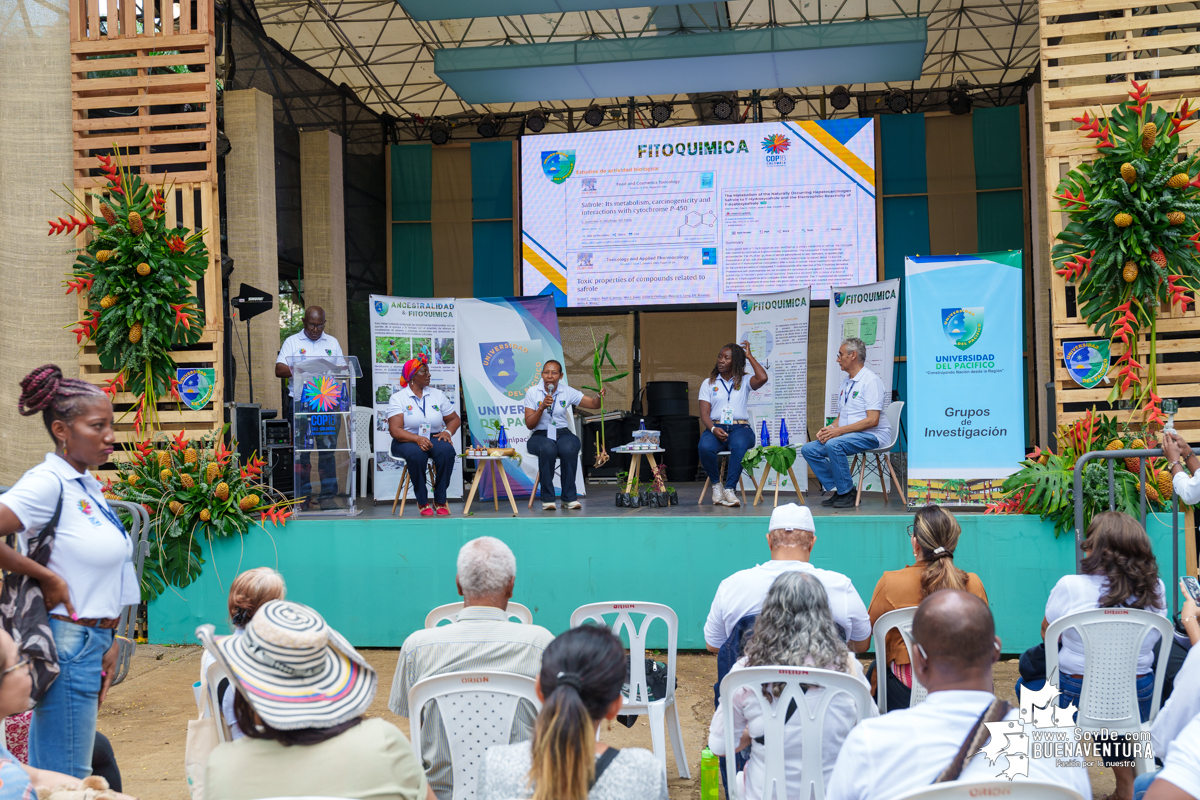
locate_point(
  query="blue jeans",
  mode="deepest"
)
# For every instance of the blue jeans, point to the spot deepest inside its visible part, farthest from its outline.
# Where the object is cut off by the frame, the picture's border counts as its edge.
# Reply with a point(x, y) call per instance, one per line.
point(442, 454)
point(1141, 784)
point(63, 730)
point(565, 451)
point(829, 461)
point(741, 438)
point(1069, 689)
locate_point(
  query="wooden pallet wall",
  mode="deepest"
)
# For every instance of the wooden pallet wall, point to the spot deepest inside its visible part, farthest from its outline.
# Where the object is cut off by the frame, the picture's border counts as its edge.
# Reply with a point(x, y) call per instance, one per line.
point(1086, 65)
point(143, 84)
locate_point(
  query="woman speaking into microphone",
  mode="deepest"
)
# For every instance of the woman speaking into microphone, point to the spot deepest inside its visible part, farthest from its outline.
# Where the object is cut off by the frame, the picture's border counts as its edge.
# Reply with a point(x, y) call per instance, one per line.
point(422, 422)
point(547, 405)
point(724, 414)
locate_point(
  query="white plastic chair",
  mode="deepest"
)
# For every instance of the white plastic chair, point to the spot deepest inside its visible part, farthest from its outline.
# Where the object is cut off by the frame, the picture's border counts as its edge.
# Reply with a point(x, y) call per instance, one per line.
point(892, 413)
point(723, 460)
point(364, 427)
point(960, 790)
point(450, 612)
point(477, 709)
point(1112, 639)
point(811, 716)
point(212, 679)
point(663, 712)
point(901, 620)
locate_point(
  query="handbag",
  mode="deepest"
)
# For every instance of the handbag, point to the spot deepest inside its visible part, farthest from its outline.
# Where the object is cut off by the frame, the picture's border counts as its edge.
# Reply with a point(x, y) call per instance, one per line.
point(24, 615)
point(202, 739)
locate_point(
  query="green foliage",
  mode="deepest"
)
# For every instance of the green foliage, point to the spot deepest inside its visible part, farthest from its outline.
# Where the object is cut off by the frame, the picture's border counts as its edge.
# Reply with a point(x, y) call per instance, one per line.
point(778, 458)
point(601, 356)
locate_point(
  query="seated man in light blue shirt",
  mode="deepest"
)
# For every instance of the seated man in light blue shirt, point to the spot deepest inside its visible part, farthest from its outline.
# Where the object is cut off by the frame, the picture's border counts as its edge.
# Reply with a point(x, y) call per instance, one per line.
point(547, 409)
point(860, 426)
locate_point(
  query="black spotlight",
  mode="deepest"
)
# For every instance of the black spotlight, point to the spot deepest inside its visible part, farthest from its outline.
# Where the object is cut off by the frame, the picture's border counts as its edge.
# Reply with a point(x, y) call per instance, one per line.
point(660, 112)
point(594, 116)
point(960, 101)
point(784, 103)
point(839, 98)
point(488, 127)
point(439, 131)
point(896, 101)
point(535, 120)
point(722, 107)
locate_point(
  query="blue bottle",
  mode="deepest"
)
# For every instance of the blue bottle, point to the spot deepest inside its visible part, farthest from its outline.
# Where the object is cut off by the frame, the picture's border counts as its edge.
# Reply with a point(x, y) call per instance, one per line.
point(502, 439)
point(764, 435)
point(643, 423)
point(783, 436)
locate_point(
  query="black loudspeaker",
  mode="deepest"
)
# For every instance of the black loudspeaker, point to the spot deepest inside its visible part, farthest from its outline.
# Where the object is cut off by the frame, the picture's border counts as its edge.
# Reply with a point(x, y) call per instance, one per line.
point(247, 430)
point(667, 398)
point(681, 438)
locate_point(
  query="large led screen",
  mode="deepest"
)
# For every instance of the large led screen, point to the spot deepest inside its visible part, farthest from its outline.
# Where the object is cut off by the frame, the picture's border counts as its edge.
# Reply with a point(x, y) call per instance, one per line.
point(698, 214)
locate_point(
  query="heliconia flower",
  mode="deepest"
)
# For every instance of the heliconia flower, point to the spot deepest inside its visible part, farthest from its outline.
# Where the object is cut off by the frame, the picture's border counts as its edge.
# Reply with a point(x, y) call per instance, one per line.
point(180, 444)
point(176, 244)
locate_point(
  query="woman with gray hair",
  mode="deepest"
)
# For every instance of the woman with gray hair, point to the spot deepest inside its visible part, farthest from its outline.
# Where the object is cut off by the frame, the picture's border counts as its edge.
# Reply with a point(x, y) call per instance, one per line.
point(795, 628)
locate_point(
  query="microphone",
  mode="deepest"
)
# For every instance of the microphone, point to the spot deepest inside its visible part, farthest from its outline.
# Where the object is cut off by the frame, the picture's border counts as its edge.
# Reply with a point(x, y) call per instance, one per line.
point(551, 388)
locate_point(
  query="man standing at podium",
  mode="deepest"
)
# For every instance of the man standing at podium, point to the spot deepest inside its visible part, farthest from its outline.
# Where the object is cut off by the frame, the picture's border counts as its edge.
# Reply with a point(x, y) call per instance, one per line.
point(310, 342)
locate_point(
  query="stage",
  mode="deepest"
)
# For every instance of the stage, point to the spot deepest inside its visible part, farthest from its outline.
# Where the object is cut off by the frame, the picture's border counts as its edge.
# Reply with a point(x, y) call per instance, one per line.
point(374, 577)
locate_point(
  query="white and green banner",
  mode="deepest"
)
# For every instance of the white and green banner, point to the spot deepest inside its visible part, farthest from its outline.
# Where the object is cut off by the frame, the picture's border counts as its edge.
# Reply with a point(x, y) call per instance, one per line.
point(966, 404)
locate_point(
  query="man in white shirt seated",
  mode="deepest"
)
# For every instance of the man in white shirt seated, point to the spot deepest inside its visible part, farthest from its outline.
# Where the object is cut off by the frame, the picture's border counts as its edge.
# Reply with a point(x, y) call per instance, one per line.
point(791, 535)
point(1179, 778)
point(860, 426)
point(955, 648)
point(1180, 709)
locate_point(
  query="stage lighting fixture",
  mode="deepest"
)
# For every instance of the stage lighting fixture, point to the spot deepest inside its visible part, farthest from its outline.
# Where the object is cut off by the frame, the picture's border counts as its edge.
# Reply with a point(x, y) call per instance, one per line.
point(839, 98)
point(488, 127)
point(960, 101)
point(535, 120)
point(594, 116)
point(439, 131)
point(784, 103)
point(660, 112)
point(896, 101)
point(723, 107)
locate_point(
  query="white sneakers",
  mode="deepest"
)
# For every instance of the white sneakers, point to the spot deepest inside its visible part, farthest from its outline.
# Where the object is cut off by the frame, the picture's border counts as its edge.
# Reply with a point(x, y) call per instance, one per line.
point(718, 494)
point(549, 506)
point(574, 505)
point(724, 497)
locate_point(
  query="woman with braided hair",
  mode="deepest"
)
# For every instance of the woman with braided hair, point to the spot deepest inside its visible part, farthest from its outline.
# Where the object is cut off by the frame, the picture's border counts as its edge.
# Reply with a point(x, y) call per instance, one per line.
point(89, 575)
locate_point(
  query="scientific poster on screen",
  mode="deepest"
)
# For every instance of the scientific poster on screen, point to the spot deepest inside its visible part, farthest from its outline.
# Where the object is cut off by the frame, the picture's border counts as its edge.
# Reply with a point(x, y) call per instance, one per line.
point(776, 327)
point(697, 214)
point(404, 328)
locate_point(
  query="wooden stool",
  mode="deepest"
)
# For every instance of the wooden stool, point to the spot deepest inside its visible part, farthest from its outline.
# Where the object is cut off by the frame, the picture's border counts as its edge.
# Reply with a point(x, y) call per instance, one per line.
point(723, 458)
point(402, 489)
point(498, 477)
point(767, 476)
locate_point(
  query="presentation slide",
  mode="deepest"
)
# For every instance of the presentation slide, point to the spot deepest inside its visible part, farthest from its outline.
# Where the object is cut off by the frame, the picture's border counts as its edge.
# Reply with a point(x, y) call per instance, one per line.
point(698, 214)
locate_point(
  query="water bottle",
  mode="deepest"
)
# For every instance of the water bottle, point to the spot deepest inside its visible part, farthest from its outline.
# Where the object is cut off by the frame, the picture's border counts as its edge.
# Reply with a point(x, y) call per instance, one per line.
point(710, 775)
point(643, 423)
point(783, 437)
point(502, 438)
point(764, 435)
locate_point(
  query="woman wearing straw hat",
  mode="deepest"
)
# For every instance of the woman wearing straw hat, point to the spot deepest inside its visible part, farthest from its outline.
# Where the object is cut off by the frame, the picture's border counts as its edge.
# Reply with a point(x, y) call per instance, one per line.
point(422, 421)
point(302, 691)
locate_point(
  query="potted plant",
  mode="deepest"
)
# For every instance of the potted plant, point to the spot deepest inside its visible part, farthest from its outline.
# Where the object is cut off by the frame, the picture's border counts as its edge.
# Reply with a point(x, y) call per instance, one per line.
point(600, 355)
point(492, 431)
point(659, 496)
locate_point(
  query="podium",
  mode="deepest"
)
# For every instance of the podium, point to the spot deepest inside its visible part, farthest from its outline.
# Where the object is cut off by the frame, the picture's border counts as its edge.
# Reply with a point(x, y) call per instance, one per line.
point(323, 434)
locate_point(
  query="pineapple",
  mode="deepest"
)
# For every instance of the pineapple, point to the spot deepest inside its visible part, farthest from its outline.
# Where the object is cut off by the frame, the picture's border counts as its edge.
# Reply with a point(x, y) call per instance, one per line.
point(1123, 220)
point(186, 480)
point(1148, 134)
point(137, 229)
point(176, 507)
point(135, 333)
point(190, 456)
point(108, 301)
point(248, 502)
point(1128, 172)
point(164, 475)
point(1176, 218)
point(1178, 181)
point(1130, 272)
point(143, 269)
point(222, 491)
point(205, 515)
point(1158, 258)
point(1165, 489)
point(1132, 464)
point(109, 215)
point(104, 255)
point(164, 458)
point(212, 472)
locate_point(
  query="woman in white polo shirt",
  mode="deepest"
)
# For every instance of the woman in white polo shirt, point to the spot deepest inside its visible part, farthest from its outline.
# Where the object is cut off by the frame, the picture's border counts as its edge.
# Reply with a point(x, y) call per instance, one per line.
point(422, 421)
point(89, 576)
point(724, 396)
point(547, 406)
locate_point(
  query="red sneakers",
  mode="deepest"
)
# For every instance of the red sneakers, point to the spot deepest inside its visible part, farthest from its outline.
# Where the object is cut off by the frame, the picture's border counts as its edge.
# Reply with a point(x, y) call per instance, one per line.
point(427, 511)
point(443, 512)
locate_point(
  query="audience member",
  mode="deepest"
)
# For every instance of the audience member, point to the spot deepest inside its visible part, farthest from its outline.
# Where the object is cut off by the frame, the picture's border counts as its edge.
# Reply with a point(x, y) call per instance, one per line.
point(791, 536)
point(1179, 778)
point(934, 537)
point(301, 694)
point(955, 649)
point(249, 591)
point(580, 683)
point(796, 629)
point(483, 638)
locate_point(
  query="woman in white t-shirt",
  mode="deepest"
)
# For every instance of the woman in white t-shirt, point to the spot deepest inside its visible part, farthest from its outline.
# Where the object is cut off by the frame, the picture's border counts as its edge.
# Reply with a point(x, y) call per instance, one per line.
point(724, 397)
point(89, 577)
point(795, 628)
point(422, 421)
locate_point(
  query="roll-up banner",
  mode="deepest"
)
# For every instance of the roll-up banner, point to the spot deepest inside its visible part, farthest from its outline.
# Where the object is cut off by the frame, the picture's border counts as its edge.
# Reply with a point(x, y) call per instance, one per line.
point(966, 405)
point(504, 343)
point(404, 328)
point(868, 312)
point(776, 328)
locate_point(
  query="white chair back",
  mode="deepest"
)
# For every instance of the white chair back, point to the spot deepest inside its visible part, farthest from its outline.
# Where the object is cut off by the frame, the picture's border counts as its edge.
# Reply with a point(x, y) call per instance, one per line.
point(810, 714)
point(638, 698)
point(966, 790)
point(892, 414)
point(364, 427)
point(477, 709)
point(1112, 639)
point(900, 620)
point(212, 678)
point(450, 612)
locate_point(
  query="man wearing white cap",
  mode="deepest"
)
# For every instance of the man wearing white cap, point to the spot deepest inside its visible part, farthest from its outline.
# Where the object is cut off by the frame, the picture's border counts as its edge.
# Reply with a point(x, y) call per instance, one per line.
point(791, 535)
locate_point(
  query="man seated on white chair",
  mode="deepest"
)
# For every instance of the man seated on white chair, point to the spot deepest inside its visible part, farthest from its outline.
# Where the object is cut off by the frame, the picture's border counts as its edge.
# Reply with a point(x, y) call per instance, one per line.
point(955, 649)
point(791, 536)
point(1179, 779)
point(483, 638)
point(860, 426)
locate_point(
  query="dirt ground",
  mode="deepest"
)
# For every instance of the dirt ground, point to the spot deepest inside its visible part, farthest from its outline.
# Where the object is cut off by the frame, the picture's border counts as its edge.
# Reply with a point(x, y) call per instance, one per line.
point(146, 718)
